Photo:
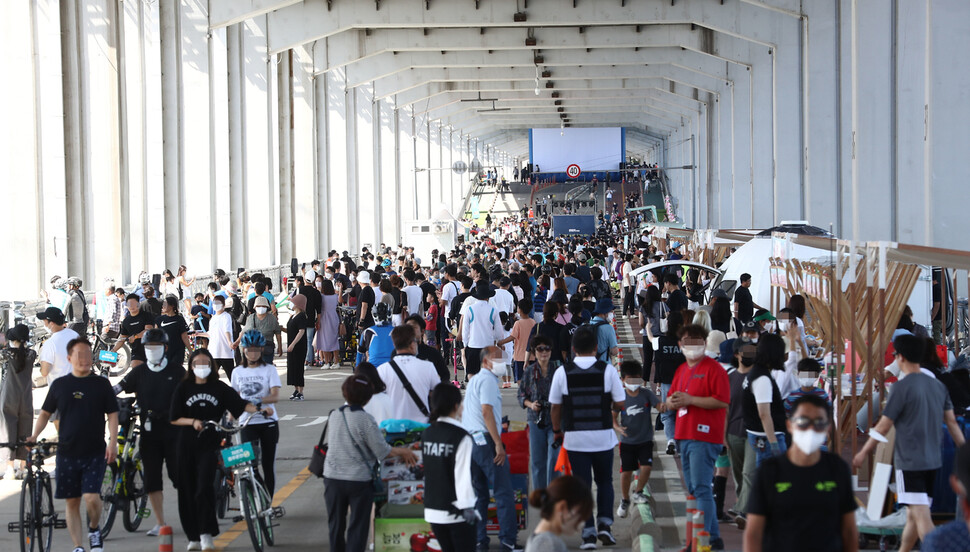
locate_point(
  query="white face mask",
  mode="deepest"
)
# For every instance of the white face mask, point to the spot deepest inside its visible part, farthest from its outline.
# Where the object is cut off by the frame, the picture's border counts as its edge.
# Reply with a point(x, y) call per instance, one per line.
point(218, 307)
point(229, 302)
point(499, 368)
point(693, 352)
point(319, 285)
point(770, 326)
point(783, 325)
point(154, 354)
point(201, 371)
point(353, 278)
point(262, 310)
point(632, 386)
point(808, 440)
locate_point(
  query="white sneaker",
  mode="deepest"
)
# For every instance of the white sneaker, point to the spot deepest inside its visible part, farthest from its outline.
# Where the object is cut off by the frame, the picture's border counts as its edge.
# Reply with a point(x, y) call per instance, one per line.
point(194, 545)
point(640, 498)
point(623, 509)
point(207, 543)
point(153, 532)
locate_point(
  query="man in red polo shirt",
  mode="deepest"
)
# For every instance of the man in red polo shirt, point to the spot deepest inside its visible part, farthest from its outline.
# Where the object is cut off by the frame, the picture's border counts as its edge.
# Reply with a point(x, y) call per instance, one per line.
point(699, 396)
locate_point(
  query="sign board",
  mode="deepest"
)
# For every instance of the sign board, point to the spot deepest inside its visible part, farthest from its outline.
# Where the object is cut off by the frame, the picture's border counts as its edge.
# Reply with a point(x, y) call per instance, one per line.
point(108, 357)
point(573, 225)
point(573, 171)
point(239, 454)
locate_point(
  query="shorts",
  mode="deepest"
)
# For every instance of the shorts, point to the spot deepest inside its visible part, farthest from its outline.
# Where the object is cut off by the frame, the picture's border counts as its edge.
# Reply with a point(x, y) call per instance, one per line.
point(78, 475)
point(915, 488)
point(723, 460)
point(633, 457)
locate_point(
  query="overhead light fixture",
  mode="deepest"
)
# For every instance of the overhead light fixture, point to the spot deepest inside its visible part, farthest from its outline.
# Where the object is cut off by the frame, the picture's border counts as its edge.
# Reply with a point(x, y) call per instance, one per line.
point(479, 99)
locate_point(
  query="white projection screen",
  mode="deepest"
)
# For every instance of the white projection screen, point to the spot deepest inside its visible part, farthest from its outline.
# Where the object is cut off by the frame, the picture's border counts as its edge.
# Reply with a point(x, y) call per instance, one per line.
point(593, 149)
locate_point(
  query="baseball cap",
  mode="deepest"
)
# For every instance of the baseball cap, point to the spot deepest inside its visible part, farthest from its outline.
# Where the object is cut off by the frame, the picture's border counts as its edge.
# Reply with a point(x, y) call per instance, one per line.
point(261, 302)
point(53, 314)
point(720, 293)
point(750, 326)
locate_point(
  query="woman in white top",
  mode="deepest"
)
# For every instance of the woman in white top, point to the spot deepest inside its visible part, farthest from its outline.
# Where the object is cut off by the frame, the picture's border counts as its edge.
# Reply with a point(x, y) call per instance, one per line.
point(379, 406)
point(185, 287)
point(259, 383)
point(221, 342)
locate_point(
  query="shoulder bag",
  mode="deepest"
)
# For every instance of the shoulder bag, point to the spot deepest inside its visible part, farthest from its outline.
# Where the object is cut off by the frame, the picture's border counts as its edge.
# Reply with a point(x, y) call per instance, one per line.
point(375, 470)
point(409, 388)
point(319, 454)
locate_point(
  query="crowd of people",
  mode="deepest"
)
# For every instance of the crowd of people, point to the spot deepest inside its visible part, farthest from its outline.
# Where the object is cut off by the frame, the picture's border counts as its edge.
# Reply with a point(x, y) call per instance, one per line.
point(735, 388)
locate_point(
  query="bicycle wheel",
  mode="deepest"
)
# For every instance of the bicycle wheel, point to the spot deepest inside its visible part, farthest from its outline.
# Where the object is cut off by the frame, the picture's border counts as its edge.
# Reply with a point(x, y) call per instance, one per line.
point(251, 513)
point(124, 361)
point(109, 498)
point(136, 499)
point(265, 520)
point(44, 510)
point(221, 485)
point(27, 532)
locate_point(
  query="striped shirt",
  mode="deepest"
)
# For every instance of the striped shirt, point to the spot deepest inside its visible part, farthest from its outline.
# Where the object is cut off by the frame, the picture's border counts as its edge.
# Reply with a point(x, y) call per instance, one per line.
point(343, 461)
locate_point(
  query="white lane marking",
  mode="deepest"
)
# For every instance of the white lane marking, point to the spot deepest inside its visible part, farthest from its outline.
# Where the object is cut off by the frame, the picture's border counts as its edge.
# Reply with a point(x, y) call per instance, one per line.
point(318, 421)
point(288, 417)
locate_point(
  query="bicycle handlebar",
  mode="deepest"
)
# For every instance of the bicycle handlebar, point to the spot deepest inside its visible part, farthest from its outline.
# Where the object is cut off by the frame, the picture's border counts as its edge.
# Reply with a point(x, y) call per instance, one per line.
point(219, 427)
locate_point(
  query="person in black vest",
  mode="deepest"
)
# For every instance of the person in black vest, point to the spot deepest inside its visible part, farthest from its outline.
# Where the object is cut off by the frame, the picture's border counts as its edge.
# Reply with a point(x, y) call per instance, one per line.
point(762, 405)
point(449, 503)
point(584, 395)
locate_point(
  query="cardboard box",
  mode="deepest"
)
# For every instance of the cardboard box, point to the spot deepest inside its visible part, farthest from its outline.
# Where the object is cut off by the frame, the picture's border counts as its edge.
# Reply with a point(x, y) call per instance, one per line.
point(396, 535)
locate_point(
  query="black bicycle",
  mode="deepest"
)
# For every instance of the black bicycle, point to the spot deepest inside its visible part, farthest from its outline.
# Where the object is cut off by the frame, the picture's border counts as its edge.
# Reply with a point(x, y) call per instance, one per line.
point(37, 517)
point(123, 486)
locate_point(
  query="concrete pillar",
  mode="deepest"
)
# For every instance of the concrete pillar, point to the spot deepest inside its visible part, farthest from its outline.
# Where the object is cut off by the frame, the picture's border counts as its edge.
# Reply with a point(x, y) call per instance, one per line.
point(217, 198)
point(321, 156)
point(363, 192)
point(287, 206)
point(304, 200)
point(336, 99)
point(237, 167)
point(391, 209)
point(171, 81)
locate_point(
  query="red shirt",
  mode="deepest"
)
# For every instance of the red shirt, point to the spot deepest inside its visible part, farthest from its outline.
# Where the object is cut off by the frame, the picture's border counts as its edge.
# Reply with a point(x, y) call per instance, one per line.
point(707, 379)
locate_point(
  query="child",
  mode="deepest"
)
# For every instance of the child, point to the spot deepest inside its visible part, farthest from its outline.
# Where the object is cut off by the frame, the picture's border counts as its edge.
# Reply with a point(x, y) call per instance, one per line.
point(564, 506)
point(431, 321)
point(636, 434)
point(808, 371)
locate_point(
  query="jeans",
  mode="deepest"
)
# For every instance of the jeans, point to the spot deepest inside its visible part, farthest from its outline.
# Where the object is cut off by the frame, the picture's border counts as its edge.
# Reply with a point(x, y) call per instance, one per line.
point(670, 416)
point(542, 456)
point(310, 332)
point(765, 452)
point(484, 471)
point(743, 466)
point(698, 459)
point(517, 367)
point(598, 467)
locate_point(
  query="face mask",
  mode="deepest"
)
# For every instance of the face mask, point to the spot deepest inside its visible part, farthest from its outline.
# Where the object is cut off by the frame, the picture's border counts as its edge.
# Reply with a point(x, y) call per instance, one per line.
point(218, 307)
point(693, 352)
point(229, 303)
point(201, 371)
point(319, 285)
point(632, 386)
point(807, 440)
point(353, 278)
point(499, 368)
point(329, 277)
point(747, 361)
point(770, 326)
point(262, 310)
point(783, 325)
point(154, 354)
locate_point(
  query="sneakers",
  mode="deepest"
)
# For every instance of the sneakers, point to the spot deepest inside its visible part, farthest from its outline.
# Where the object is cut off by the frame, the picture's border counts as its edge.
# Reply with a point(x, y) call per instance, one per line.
point(740, 521)
point(79, 549)
point(589, 543)
point(623, 509)
point(95, 540)
point(717, 543)
point(153, 532)
point(605, 535)
point(514, 547)
point(639, 498)
point(207, 543)
point(296, 396)
point(671, 448)
point(194, 545)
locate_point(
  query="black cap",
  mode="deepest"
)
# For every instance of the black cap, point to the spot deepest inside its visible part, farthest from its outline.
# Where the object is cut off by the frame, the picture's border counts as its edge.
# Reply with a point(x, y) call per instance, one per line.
point(53, 314)
point(483, 292)
point(751, 326)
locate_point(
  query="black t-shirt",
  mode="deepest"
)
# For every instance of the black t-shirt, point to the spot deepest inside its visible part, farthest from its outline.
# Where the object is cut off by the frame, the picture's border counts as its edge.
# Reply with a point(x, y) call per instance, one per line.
point(803, 507)
point(343, 279)
point(399, 299)
point(174, 327)
point(201, 322)
point(81, 404)
point(152, 305)
point(566, 340)
point(668, 358)
point(745, 304)
point(456, 303)
point(366, 296)
point(154, 390)
point(134, 324)
point(677, 300)
point(207, 402)
point(426, 288)
point(296, 323)
point(314, 303)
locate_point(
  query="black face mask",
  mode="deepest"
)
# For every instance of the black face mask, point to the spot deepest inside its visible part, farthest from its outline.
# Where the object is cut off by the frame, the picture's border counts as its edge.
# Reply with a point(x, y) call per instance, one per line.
point(747, 361)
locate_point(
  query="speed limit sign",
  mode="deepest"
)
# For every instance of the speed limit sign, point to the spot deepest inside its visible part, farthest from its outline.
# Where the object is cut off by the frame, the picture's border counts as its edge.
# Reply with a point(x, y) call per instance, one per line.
point(573, 171)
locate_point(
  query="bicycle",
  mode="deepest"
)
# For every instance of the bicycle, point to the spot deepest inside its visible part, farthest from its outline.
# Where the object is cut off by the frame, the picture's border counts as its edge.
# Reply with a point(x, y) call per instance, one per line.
point(254, 500)
point(37, 517)
point(106, 361)
point(123, 486)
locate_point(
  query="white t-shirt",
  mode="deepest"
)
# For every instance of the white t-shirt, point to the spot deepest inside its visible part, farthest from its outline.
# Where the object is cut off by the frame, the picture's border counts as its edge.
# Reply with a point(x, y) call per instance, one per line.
point(595, 440)
point(423, 378)
point(253, 384)
point(481, 325)
point(415, 301)
point(219, 326)
point(449, 290)
point(54, 352)
point(380, 407)
point(504, 301)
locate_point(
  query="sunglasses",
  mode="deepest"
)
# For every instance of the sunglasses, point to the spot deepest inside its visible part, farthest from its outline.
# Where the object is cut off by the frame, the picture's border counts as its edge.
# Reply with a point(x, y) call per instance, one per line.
point(543, 349)
point(804, 422)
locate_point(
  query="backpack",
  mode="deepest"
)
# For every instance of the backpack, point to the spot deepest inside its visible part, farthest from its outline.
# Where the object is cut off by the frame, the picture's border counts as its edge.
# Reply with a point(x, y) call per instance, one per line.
point(594, 326)
point(85, 317)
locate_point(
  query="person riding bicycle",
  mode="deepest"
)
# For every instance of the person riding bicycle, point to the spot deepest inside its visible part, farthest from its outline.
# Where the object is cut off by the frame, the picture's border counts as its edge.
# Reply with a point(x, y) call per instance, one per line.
point(153, 384)
point(200, 397)
point(259, 383)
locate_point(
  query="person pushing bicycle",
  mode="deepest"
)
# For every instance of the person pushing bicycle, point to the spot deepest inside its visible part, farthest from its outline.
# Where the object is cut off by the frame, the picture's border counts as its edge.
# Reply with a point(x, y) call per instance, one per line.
point(82, 400)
